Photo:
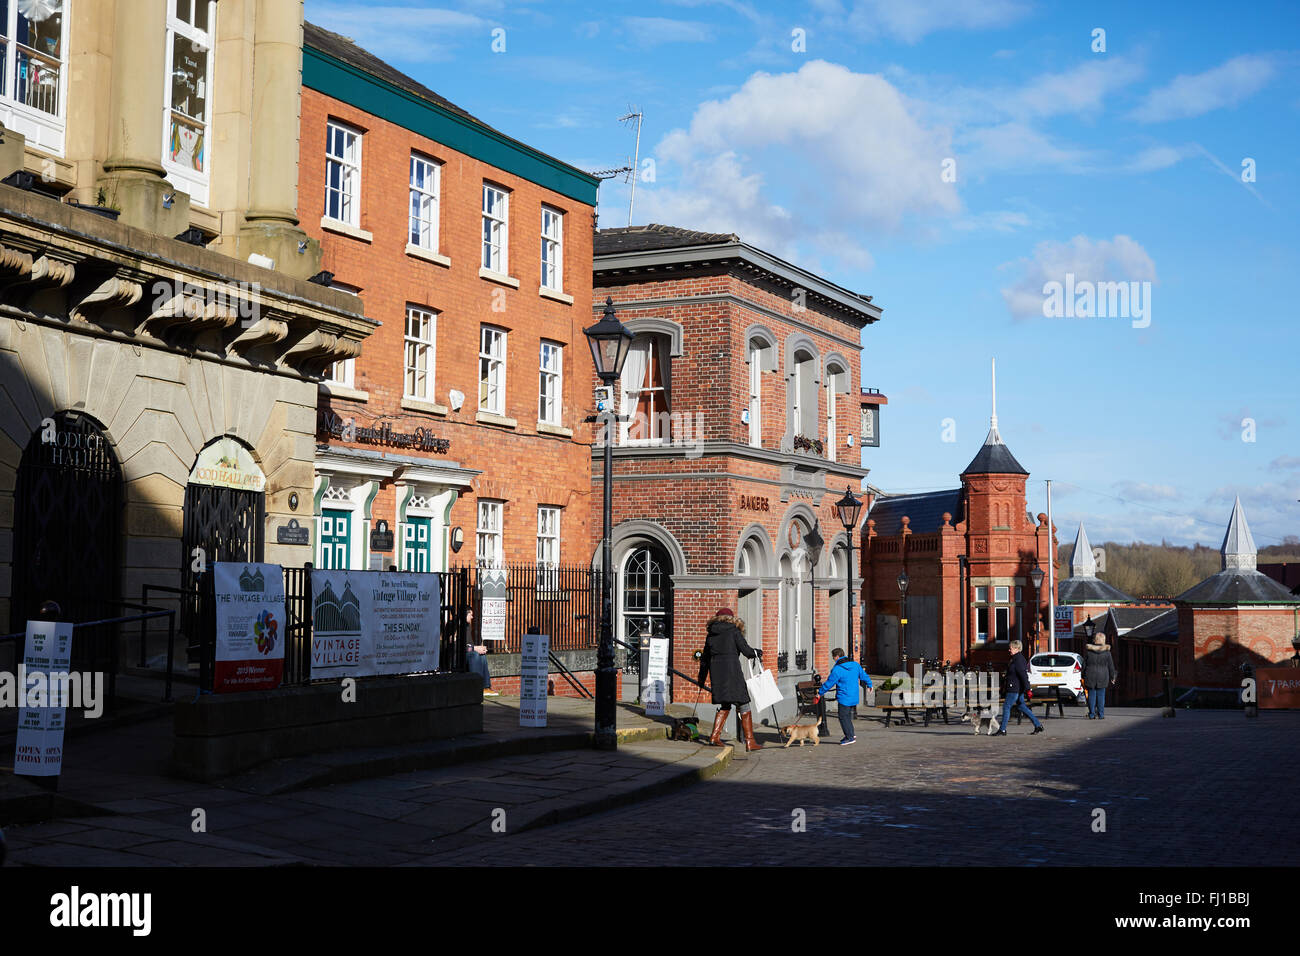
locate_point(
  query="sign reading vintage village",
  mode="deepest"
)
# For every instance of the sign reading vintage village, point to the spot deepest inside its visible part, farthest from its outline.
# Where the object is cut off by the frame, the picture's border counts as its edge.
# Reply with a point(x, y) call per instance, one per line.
point(374, 622)
point(329, 425)
point(250, 626)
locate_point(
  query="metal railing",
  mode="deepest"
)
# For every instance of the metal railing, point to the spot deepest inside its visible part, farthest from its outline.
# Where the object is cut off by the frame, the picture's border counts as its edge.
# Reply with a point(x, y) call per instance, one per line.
point(562, 602)
point(98, 650)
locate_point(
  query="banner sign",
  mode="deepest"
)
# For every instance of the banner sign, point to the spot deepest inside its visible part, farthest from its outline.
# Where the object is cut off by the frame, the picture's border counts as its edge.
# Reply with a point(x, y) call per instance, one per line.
point(495, 593)
point(654, 689)
point(366, 623)
point(250, 626)
point(534, 671)
point(39, 748)
point(1064, 621)
point(1278, 688)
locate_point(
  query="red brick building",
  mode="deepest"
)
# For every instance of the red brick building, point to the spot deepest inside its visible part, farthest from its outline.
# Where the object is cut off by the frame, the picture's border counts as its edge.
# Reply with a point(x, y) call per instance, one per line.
point(968, 553)
point(1234, 618)
point(472, 252)
point(743, 393)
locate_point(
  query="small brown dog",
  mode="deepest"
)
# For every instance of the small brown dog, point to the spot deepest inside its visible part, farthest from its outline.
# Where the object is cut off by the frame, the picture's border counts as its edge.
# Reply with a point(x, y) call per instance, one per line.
point(801, 732)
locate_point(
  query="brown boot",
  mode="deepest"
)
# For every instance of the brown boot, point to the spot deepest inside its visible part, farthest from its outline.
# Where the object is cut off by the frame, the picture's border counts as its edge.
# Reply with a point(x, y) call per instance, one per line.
point(719, 721)
point(747, 725)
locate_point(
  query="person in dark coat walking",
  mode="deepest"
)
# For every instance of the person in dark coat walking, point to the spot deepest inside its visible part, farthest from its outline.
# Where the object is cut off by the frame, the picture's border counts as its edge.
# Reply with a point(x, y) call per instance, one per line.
point(1017, 690)
point(721, 659)
point(1098, 674)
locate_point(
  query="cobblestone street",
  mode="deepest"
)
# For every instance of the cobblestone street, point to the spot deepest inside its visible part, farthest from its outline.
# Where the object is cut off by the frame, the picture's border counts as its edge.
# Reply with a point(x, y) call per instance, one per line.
point(1207, 788)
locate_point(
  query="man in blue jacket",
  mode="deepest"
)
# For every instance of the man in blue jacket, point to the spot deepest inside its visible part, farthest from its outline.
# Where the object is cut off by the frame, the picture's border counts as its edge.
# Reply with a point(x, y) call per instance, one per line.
point(845, 677)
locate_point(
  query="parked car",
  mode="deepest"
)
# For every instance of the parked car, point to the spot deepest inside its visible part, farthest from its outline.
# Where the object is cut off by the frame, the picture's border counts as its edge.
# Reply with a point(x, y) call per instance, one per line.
point(1058, 668)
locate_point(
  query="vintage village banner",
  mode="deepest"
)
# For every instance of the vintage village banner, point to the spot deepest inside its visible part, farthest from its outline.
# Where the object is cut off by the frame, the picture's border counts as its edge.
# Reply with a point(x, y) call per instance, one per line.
point(250, 626)
point(374, 622)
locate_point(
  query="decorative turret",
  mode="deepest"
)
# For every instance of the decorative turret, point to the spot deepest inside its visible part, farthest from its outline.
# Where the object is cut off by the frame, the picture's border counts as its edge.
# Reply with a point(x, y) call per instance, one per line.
point(1238, 548)
point(1082, 562)
point(994, 458)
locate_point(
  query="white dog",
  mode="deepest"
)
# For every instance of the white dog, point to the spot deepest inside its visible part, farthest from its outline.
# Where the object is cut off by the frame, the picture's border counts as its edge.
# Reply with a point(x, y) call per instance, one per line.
point(982, 718)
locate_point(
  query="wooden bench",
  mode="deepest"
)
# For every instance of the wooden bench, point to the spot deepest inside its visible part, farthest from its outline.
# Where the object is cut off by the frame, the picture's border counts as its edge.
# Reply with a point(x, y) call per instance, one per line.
point(927, 710)
point(1047, 702)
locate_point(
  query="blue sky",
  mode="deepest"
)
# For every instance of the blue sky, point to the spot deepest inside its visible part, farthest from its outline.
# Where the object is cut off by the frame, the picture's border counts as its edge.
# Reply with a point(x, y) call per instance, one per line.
point(952, 159)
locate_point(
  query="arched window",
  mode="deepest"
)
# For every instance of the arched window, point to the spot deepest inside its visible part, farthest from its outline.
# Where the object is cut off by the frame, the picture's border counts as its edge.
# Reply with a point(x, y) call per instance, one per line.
point(755, 393)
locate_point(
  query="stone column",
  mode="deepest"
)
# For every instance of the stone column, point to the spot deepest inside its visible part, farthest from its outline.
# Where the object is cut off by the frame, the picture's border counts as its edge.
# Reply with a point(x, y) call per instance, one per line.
point(271, 223)
point(133, 178)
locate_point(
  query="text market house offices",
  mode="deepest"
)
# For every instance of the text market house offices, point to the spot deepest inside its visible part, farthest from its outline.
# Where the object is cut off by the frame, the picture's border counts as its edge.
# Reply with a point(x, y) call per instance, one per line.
point(742, 398)
point(465, 409)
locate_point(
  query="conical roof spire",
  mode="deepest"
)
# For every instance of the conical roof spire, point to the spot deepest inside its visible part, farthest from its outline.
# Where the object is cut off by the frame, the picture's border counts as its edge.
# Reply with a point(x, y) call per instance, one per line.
point(994, 458)
point(1238, 546)
point(1082, 563)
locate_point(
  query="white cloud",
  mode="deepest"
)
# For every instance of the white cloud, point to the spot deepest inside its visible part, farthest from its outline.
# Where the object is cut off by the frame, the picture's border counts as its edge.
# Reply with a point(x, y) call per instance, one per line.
point(407, 34)
point(1093, 260)
point(1145, 491)
point(909, 21)
point(653, 31)
point(1199, 93)
point(846, 144)
point(1157, 157)
point(1081, 89)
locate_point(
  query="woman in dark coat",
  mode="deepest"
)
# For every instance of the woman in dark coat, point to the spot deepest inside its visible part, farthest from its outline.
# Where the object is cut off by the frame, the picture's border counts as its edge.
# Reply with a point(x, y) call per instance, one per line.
point(721, 659)
point(1098, 674)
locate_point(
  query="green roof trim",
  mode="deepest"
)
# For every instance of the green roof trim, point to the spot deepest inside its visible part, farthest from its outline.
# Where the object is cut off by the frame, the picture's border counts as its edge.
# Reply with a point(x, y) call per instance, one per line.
point(333, 77)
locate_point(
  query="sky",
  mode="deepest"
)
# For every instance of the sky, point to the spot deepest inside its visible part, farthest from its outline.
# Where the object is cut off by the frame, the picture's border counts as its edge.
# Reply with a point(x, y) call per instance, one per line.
point(1101, 196)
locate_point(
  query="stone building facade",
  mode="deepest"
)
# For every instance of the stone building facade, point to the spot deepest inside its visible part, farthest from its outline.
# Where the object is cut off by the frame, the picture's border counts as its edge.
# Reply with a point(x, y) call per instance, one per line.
point(743, 398)
point(473, 252)
point(160, 345)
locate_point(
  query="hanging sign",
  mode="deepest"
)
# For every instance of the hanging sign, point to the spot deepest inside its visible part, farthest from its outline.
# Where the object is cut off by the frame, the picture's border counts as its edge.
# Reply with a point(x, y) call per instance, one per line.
point(495, 593)
point(534, 672)
point(250, 626)
point(374, 622)
point(654, 688)
point(39, 748)
point(227, 464)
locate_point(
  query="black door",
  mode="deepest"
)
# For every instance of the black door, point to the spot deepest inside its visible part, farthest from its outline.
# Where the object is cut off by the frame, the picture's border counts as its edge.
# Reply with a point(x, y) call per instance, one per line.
point(221, 524)
point(67, 512)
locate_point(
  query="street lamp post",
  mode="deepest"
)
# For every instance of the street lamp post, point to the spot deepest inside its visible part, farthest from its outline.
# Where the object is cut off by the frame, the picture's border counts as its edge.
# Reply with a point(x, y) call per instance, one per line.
point(610, 341)
point(903, 581)
point(848, 507)
point(1036, 576)
point(813, 542)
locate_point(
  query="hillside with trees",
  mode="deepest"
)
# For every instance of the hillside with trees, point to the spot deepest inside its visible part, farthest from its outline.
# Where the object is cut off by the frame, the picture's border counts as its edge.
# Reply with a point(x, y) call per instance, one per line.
point(1166, 570)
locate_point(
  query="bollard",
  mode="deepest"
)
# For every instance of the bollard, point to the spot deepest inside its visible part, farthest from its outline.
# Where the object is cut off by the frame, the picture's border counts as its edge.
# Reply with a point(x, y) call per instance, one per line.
point(1168, 710)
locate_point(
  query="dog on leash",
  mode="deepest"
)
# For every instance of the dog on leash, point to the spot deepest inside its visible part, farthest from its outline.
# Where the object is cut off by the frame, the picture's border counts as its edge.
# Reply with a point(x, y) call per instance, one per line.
point(800, 732)
point(981, 719)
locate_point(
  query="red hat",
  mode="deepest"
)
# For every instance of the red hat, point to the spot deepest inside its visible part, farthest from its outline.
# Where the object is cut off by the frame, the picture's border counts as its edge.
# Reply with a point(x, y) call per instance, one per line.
point(724, 612)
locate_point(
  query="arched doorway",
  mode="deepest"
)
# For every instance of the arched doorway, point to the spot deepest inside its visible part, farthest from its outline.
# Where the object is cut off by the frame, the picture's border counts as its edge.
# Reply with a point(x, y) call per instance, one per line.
point(67, 514)
point(644, 605)
point(225, 518)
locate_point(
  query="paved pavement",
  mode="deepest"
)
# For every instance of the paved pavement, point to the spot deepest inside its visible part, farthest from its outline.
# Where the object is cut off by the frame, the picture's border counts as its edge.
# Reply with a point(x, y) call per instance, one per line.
point(1205, 788)
point(274, 817)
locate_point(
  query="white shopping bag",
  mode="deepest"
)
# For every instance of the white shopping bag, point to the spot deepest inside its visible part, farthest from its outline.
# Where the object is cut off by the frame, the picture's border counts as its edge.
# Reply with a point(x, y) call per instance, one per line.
point(763, 692)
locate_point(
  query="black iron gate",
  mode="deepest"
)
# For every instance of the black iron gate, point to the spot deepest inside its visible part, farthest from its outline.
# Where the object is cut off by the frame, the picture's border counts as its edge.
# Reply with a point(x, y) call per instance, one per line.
point(67, 511)
point(221, 524)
